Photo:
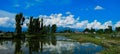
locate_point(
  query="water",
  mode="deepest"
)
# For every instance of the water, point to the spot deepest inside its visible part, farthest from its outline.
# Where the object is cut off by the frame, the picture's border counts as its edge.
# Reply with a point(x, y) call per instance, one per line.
point(47, 45)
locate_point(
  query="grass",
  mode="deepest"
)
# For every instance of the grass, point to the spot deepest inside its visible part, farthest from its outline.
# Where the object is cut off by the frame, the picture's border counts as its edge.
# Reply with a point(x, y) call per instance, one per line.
point(112, 45)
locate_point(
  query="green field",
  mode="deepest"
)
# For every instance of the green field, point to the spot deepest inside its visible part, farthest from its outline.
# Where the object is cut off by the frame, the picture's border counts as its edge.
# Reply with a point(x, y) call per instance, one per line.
point(111, 44)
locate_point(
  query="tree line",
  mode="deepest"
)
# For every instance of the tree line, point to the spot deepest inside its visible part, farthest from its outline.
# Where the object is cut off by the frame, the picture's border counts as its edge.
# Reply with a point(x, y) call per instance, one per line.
point(34, 25)
point(101, 31)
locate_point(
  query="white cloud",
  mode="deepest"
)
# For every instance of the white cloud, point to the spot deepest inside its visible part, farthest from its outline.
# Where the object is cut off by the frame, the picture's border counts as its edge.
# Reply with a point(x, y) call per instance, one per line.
point(117, 24)
point(16, 5)
point(95, 24)
point(6, 19)
point(68, 12)
point(98, 8)
point(72, 22)
point(28, 5)
point(6, 14)
point(81, 24)
point(59, 19)
point(7, 22)
point(108, 23)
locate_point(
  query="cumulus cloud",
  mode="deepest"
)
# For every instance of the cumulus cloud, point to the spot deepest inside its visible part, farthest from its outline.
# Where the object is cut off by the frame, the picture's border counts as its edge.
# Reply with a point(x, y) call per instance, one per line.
point(7, 22)
point(117, 24)
point(98, 8)
point(95, 24)
point(4, 13)
point(59, 19)
point(72, 22)
point(68, 12)
point(6, 19)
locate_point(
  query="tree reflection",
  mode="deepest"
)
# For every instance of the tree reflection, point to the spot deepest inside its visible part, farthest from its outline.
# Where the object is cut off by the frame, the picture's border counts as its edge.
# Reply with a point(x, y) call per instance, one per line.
point(36, 44)
point(18, 43)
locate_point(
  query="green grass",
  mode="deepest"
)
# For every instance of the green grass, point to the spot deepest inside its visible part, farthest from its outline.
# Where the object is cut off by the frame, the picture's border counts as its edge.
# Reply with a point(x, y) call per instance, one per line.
point(112, 45)
point(111, 50)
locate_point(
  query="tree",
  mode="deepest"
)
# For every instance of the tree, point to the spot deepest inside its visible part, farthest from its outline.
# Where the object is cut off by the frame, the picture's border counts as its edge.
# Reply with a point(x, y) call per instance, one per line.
point(19, 21)
point(48, 29)
point(41, 23)
point(117, 29)
point(54, 27)
point(100, 31)
point(109, 29)
point(36, 25)
point(92, 30)
point(86, 30)
point(30, 26)
point(44, 30)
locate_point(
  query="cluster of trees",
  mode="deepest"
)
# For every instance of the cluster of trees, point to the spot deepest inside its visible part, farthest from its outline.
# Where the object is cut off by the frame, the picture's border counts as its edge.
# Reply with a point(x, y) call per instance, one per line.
point(66, 31)
point(19, 19)
point(117, 29)
point(34, 25)
point(107, 30)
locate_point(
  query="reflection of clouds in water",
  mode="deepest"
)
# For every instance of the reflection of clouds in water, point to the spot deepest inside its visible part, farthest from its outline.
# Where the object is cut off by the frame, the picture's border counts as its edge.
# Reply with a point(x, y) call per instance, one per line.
point(60, 47)
point(3, 48)
point(7, 48)
point(88, 44)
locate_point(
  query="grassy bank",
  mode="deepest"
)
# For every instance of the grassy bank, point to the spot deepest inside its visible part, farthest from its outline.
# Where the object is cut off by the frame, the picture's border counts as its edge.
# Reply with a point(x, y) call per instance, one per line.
point(111, 44)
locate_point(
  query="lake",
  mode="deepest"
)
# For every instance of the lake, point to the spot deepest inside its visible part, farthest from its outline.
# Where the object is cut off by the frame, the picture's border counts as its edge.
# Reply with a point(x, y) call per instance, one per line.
point(47, 45)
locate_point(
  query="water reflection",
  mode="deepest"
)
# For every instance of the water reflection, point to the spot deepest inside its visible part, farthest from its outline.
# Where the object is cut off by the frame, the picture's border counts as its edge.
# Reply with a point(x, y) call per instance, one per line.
point(46, 45)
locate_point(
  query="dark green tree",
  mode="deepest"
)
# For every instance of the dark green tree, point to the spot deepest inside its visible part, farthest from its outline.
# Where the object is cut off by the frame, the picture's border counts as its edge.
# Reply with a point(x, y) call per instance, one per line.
point(54, 27)
point(86, 30)
point(117, 29)
point(44, 30)
point(41, 23)
point(30, 26)
point(109, 29)
point(92, 30)
point(19, 19)
point(48, 29)
point(36, 25)
point(100, 31)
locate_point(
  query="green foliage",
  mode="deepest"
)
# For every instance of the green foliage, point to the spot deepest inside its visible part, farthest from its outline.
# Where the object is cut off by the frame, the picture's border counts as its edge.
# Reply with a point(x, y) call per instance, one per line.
point(44, 30)
point(66, 31)
point(41, 23)
point(86, 30)
point(19, 19)
point(108, 30)
point(34, 25)
point(54, 27)
point(30, 26)
point(92, 30)
point(0, 31)
point(48, 29)
point(100, 31)
point(89, 30)
point(117, 29)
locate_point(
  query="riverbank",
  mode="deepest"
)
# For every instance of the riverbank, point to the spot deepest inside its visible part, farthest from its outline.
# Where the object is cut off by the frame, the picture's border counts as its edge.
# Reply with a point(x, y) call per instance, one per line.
point(112, 45)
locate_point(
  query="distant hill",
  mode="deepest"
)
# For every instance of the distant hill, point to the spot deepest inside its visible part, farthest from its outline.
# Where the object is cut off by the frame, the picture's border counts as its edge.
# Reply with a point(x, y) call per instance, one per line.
point(67, 28)
point(25, 29)
point(10, 29)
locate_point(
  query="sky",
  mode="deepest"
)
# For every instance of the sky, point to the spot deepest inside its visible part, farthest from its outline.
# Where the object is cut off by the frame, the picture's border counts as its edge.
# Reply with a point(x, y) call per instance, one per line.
point(79, 14)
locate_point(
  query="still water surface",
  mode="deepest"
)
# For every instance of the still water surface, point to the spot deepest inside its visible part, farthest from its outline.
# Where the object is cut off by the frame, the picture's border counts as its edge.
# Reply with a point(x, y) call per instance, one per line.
point(47, 45)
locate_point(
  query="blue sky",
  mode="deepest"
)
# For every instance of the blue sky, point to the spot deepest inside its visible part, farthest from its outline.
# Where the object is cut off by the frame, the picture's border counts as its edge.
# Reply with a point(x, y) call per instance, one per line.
point(89, 12)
